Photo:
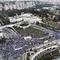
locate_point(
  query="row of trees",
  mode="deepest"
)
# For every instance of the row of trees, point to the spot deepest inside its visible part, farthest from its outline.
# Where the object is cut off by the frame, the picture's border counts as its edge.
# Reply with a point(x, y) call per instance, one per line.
point(4, 18)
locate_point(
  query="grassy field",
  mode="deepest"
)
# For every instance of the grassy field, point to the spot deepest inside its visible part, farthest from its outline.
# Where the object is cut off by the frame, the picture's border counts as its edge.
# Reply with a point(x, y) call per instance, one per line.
point(30, 32)
point(52, 24)
point(50, 56)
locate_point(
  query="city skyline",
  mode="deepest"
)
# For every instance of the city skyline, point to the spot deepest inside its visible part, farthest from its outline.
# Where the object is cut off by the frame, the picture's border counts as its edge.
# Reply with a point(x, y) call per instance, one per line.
point(51, 1)
point(32, 0)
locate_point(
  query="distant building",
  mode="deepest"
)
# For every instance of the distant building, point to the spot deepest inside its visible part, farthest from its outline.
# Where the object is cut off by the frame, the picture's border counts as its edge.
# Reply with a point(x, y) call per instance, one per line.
point(1, 34)
point(17, 5)
point(28, 38)
point(6, 7)
point(27, 17)
point(0, 7)
point(46, 8)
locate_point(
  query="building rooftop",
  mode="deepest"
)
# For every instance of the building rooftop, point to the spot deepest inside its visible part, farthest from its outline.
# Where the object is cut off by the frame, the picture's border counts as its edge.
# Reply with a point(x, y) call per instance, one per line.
point(28, 17)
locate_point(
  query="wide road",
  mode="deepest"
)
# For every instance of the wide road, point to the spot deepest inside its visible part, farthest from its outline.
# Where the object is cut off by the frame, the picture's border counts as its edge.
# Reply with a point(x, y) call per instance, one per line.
point(50, 32)
point(10, 25)
point(18, 45)
point(33, 57)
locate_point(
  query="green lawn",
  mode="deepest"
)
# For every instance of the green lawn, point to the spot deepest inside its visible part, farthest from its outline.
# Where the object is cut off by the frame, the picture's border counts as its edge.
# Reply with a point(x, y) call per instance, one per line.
point(50, 56)
point(50, 25)
point(30, 32)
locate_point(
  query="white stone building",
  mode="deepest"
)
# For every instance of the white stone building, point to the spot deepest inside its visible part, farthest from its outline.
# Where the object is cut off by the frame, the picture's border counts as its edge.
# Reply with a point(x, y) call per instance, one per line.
point(27, 17)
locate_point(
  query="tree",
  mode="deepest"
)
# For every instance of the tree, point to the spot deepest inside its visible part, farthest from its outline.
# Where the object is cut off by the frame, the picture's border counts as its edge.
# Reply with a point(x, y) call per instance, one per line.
point(6, 20)
point(28, 54)
point(31, 49)
point(37, 23)
point(35, 50)
point(28, 58)
point(3, 40)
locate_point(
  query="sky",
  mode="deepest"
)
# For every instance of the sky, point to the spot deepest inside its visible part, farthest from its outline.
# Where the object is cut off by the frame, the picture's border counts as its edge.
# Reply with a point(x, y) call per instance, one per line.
point(34, 0)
